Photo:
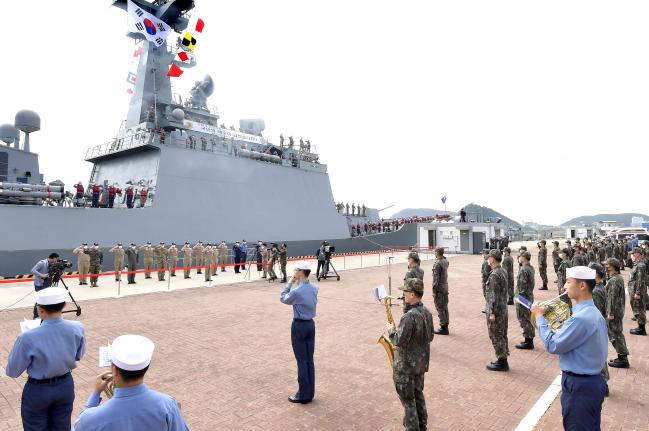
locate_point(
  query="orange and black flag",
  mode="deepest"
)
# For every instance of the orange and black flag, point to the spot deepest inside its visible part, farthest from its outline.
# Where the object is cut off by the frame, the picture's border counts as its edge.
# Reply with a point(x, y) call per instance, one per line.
point(188, 41)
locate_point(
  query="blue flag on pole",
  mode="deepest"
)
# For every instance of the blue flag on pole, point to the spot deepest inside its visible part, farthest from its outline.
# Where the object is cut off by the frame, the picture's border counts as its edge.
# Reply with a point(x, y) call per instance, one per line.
point(444, 199)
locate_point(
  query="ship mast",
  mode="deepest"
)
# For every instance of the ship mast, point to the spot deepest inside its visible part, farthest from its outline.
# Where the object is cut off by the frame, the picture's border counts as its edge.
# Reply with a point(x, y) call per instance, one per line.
point(152, 85)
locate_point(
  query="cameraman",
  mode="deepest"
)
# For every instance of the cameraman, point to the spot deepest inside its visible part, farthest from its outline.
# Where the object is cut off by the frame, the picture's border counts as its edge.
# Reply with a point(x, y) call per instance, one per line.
point(320, 255)
point(40, 271)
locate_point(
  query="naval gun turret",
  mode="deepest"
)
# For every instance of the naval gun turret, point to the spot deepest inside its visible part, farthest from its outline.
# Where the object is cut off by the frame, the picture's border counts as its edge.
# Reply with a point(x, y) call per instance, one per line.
point(200, 92)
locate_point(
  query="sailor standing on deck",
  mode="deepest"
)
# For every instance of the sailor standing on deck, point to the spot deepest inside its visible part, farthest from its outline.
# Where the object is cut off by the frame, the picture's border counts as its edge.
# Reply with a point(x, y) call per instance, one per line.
point(48, 353)
point(133, 406)
point(582, 346)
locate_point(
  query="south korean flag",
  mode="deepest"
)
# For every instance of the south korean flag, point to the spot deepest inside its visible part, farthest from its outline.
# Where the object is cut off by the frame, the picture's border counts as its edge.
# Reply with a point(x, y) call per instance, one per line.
point(151, 27)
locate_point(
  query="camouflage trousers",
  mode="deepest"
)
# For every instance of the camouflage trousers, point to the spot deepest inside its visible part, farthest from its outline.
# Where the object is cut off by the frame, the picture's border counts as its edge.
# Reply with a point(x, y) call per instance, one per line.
point(498, 335)
point(187, 263)
point(510, 288)
point(95, 269)
point(639, 309)
point(173, 262)
point(604, 373)
point(543, 272)
point(441, 305)
point(616, 335)
point(523, 315)
point(410, 389)
point(161, 269)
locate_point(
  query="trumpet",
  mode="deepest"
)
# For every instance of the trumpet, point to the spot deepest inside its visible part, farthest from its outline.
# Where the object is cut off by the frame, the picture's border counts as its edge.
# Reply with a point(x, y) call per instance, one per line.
point(557, 312)
point(110, 387)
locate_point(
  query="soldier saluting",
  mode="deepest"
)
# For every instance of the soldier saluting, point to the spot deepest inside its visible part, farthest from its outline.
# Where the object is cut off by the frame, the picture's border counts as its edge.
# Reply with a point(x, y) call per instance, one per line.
point(412, 340)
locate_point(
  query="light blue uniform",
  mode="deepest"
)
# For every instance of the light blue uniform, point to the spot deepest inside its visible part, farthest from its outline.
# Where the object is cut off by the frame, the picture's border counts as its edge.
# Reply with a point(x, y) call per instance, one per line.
point(137, 408)
point(41, 267)
point(51, 350)
point(48, 353)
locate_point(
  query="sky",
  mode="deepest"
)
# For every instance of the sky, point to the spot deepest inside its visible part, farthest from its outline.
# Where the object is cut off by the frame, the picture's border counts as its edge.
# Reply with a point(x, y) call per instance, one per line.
point(536, 109)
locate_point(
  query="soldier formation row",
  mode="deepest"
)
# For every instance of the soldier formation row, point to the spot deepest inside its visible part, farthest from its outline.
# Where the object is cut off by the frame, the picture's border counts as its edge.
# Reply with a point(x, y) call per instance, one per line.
point(161, 258)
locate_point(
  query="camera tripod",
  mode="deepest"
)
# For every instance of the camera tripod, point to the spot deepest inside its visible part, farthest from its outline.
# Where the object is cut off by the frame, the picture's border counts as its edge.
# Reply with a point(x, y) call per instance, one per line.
point(55, 282)
point(325, 270)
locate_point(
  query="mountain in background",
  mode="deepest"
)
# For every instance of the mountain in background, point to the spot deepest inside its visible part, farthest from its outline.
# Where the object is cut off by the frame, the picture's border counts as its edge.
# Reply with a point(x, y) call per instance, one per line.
point(421, 212)
point(470, 208)
point(623, 219)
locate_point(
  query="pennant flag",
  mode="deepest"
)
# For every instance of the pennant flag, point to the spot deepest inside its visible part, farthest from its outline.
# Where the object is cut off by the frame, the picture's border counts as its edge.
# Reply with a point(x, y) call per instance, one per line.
point(132, 68)
point(174, 71)
point(444, 199)
point(188, 42)
point(199, 25)
point(182, 55)
point(152, 28)
point(131, 78)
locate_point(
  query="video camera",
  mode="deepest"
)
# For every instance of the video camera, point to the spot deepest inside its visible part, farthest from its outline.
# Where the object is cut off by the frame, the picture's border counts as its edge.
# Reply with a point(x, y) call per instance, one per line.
point(328, 249)
point(55, 270)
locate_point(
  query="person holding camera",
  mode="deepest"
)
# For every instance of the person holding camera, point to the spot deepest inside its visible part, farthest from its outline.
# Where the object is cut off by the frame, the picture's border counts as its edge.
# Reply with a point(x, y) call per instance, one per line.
point(48, 353)
point(320, 254)
point(40, 271)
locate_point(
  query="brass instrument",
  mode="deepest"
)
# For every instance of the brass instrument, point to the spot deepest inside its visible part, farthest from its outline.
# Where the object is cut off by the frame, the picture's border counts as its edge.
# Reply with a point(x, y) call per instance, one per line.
point(557, 313)
point(110, 388)
point(383, 340)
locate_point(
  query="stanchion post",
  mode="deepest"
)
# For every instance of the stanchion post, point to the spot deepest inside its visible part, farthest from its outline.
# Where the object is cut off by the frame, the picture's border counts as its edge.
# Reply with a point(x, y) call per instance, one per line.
point(361, 260)
point(119, 284)
point(168, 277)
point(344, 262)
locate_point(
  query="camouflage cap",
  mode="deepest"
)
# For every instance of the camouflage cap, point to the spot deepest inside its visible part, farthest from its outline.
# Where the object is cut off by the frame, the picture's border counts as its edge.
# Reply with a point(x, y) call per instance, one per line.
point(412, 285)
point(527, 255)
point(522, 248)
point(614, 263)
point(496, 254)
point(439, 251)
point(555, 242)
point(485, 251)
point(565, 251)
point(638, 250)
point(543, 241)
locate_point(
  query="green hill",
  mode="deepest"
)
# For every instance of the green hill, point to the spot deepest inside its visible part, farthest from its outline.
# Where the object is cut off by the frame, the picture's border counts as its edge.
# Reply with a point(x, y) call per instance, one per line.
point(623, 219)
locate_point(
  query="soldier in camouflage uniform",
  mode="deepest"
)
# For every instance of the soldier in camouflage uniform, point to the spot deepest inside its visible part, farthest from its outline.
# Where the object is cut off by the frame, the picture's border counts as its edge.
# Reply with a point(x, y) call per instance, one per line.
point(132, 259)
point(172, 253)
point(591, 255)
point(609, 249)
point(283, 249)
point(485, 270)
point(147, 251)
point(508, 266)
point(561, 275)
point(525, 288)
point(187, 259)
point(496, 310)
point(440, 290)
point(599, 299)
point(412, 340)
point(556, 260)
point(615, 313)
point(645, 250)
point(198, 252)
point(601, 253)
point(638, 291)
point(570, 249)
point(579, 258)
point(207, 260)
point(118, 250)
point(160, 256)
point(274, 254)
point(96, 259)
point(414, 271)
point(543, 264)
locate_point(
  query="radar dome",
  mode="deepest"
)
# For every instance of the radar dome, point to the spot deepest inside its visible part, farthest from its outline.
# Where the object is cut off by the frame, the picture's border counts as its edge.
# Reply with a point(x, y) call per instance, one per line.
point(8, 133)
point(28, 121)
point(178, 114)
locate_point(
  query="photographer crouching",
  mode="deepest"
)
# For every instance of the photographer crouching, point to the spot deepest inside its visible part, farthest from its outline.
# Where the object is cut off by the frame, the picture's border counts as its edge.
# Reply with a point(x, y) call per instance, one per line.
point(47, 272)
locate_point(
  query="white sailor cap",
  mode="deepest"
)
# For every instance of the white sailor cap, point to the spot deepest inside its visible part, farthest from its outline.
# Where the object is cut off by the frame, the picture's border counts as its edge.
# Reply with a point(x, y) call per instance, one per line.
point(580, 273)
point(51, 296)
point(303, 264)
point(131, 352)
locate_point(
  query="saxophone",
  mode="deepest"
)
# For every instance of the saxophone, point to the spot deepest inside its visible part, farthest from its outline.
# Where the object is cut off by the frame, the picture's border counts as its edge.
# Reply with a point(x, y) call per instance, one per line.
point(383, 340)
point(110, 388)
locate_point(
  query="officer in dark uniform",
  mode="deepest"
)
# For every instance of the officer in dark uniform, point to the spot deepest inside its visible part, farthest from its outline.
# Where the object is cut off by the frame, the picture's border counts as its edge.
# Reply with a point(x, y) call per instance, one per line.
point(412, 340)
point(48, 353)
point(132, 257)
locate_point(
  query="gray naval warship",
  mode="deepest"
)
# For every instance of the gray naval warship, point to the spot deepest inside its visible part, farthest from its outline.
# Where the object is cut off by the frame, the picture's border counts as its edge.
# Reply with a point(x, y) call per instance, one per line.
point(250, 188)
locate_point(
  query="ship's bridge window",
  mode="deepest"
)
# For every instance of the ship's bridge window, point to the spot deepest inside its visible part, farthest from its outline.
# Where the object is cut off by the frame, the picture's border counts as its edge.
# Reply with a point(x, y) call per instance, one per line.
point(4, 165)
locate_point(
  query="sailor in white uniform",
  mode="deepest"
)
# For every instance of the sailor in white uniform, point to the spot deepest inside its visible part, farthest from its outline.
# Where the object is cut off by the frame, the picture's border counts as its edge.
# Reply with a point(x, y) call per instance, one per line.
point(133, 406)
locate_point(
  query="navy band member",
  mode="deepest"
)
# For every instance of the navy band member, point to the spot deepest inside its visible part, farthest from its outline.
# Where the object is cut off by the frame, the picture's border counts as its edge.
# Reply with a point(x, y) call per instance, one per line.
point(582, 346)
point(133, 406)
point(48, 353)
point(412, 341)
point(303, 298)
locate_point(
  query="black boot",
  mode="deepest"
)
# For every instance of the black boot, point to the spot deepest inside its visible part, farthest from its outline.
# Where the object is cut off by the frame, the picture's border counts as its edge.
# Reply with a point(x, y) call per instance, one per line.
point(620, 362)
point(510, 302)
point(499, 365)
point(640, 330)
point(544, 287)
point(607, 393)
point(443, 330)
point(527, 344)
